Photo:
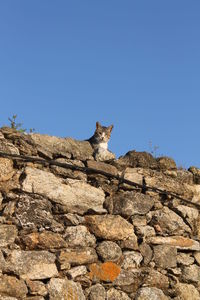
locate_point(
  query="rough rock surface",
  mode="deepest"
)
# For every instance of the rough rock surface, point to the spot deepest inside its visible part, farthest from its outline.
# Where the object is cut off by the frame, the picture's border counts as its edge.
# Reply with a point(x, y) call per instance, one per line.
point(74, 196)
point(70, 233)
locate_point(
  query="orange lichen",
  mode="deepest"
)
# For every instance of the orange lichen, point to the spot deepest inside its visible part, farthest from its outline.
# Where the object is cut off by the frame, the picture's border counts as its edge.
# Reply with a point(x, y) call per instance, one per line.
point(107, 271)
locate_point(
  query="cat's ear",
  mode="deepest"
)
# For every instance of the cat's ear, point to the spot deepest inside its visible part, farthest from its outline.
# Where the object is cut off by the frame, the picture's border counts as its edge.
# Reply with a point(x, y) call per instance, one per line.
point(98, 125)
point(110, 127)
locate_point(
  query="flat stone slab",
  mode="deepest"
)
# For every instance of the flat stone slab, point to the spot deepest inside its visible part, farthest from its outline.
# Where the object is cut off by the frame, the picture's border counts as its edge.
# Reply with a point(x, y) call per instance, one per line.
point(32, 264)
point(77, 256)
point(177, 241)
point(51, 146)
point(75, 196)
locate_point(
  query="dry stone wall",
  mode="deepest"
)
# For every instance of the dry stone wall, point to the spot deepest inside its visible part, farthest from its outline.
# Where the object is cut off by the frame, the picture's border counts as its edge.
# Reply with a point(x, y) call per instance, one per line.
point(69, 234)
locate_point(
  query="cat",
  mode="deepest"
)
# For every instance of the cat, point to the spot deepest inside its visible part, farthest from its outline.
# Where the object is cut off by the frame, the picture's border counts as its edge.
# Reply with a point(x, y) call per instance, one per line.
point(99, 142)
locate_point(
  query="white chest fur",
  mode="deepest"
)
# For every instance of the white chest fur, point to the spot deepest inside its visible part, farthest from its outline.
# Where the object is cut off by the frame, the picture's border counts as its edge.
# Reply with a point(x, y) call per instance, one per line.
point(103, 146)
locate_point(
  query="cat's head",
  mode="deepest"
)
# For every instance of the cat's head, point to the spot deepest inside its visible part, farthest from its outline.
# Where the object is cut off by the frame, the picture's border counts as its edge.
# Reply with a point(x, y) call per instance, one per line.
point(102, 133)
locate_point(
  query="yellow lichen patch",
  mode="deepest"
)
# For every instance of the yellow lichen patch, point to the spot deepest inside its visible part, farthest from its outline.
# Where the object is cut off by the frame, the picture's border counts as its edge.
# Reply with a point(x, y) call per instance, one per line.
point(107, 271)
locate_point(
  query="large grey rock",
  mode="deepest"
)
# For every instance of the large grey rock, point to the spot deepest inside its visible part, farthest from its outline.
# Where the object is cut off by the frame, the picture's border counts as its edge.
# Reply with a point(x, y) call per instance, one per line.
point(161, 181)
point(32, 264)
point(146, 252)
point(128, 281)
point(13, 287)
point(52, 146)
point(64, 289)
point(8, 233)
point(109, 227)
point(131, 203)
point(109, 251)
point(169, 222)
point(150, 293)
point(95, 292)
point(76, 236)
point(137, 159)
point(73, 195)
point(42, 217)
point(165, 256)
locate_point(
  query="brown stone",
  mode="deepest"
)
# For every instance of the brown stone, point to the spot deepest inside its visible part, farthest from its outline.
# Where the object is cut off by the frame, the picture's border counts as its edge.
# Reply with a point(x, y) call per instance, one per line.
point(177, 241)
point(156, 279)
point(13, 287)
point(67, 147)
point(6, 169)
point(166, 163)
point(109, 227)
point(44, 240)
point(78, 256)
point(187, 291)
point(36, 287)
point(197, 257)
point(101, 166)
point(113, 294)
point(191, 273)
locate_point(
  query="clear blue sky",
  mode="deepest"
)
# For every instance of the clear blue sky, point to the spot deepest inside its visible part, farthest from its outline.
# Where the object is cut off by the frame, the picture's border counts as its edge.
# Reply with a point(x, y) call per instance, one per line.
point(66, 64)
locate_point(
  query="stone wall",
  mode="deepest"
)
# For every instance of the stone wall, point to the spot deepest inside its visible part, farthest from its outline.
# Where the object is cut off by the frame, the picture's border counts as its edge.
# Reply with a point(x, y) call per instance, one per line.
point(69, 234)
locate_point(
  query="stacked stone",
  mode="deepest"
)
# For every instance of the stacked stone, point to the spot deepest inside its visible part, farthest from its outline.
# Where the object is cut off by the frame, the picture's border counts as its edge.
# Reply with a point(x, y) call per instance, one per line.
point(66, 234)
